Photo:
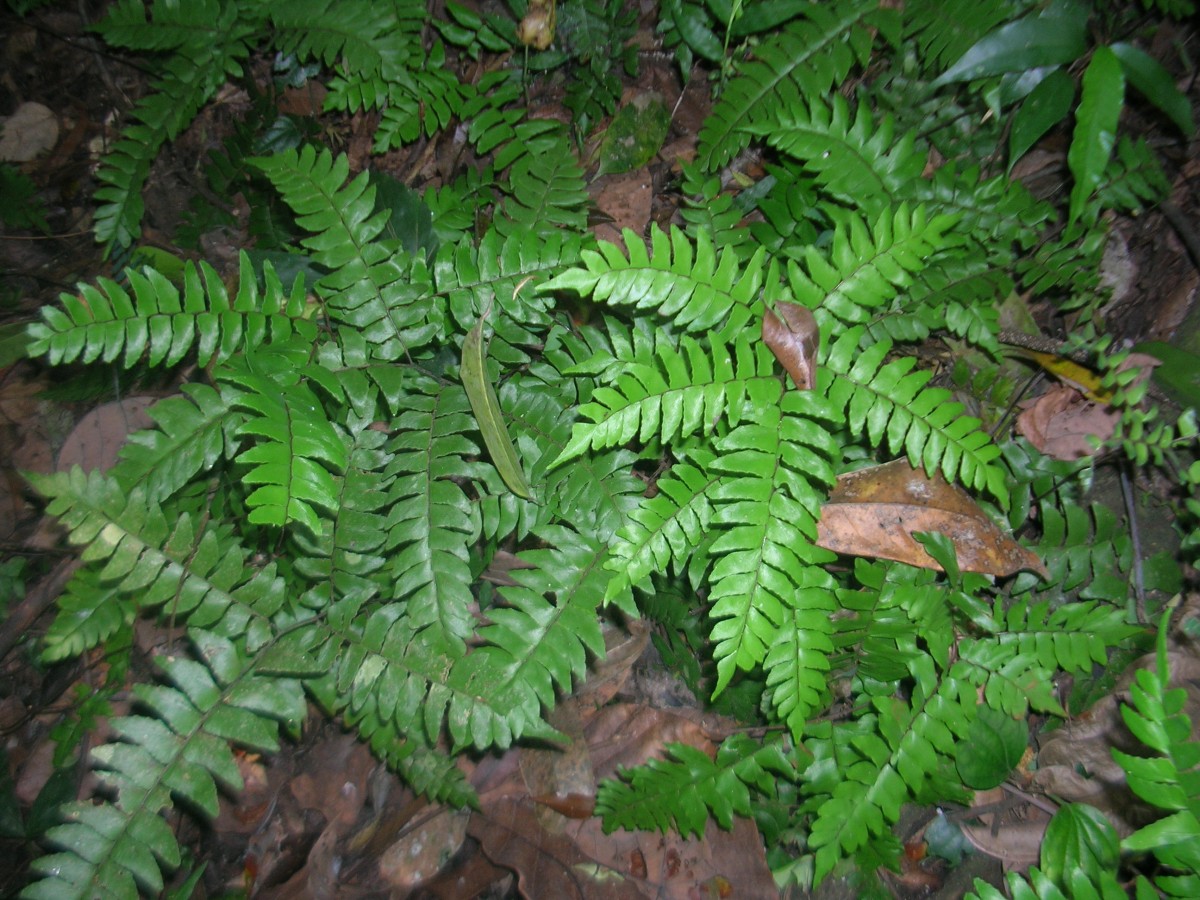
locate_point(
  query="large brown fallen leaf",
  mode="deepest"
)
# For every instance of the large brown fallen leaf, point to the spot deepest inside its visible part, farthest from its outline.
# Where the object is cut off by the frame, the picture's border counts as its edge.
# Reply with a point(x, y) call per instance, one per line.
point(874, 512)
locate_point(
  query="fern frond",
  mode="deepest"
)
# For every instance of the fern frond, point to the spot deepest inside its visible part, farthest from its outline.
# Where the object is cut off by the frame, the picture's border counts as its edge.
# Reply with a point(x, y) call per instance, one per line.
point(538, 642)
point(419, 102)
point(431, 522)
point(89, 613)
point(546, 190)
point(1134, 178)
point(168, 26)
point(696, 287)
point(666, 528)
point(388, 680)
point(179, 754)
point(1012, 680)
point(203, 576)
point(688, 787)
point(943, 38)
point(161, 325)
point(997, 214)
point(503, 270)
point(853, 158)
point(1073, 637)
point(371, 287)
point(188, 80)
point(867, 266)
point(892, 405)
point(1085, 549)
point(354, 34)
point(595, 494)
point(193, 432)
point(295, 450)
point(1156, 715)
point(343, 559)
point(882, 767)
point(669, 393)
point(805, 59)
point(766, 565)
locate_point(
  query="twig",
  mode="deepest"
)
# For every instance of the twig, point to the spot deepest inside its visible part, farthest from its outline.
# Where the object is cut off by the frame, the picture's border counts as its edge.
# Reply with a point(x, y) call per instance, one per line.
point(1183, 228)
point(1139, 585)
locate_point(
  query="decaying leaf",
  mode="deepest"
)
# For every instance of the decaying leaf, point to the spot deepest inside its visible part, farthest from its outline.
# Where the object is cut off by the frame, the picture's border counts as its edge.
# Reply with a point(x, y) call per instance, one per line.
point(488, 416)
point(874, 512)
point(536, 30)
point(792, 335)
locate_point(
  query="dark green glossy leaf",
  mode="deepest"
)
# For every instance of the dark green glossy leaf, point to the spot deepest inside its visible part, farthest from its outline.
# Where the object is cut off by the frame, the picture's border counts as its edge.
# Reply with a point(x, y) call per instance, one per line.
point(1095, 126)
point(1046, 106)
point(1055, 38)
point(1155, 83)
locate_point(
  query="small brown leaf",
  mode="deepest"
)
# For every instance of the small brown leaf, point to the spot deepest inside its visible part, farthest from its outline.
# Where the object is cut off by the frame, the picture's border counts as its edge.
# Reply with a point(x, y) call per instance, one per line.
point(792, 335)
point(873, 512)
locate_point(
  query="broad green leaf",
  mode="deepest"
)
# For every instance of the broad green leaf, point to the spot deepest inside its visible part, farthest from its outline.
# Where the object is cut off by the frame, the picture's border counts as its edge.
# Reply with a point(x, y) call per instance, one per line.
point(693, 25)
point(1154, 83)
point(1079, 839)
point(1055, 38)
point(488, 415)
point(1046, 106)
point(1095, 125)
point(993, 747)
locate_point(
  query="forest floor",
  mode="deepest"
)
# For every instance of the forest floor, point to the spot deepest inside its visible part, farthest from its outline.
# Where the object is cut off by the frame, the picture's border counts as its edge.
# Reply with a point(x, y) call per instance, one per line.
point(277, 830)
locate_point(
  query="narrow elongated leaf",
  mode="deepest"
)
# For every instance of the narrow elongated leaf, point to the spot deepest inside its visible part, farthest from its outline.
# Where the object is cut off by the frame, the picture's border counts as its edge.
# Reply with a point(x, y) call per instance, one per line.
point(488, 415)
point(1155, 84)
point(1095, 125)
point(1046, 106)
point(1047, 40)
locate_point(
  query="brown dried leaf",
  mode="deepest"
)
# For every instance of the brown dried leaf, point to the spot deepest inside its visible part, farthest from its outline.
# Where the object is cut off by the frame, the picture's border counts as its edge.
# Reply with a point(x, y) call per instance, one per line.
point(1062, 422)
point(97, 439)
point(873, 512)
point(792, 335)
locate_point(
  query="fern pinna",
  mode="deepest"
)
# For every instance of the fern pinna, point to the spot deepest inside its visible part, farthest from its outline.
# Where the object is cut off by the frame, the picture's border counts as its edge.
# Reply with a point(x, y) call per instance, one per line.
point(317, 506)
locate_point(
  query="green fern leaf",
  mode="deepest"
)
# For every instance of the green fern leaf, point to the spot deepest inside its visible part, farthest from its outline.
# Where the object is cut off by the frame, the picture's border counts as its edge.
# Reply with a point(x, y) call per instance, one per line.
point(294, 446)
point(595, 494)
point(858, 162)
point(1157, 717)
point(867, 266)
point(204, 577)
point(885, 765)
point(689, 787)
point(374, 289)
point(766, 508)
point(666, 528)
point(696, 287)
point(669, 393)
point(431, 523)
point(546, 190)
point(539, 641)
point(177, 755)
point(892, 405)
point(193, 433)
point(189, 79)
point(805, 59)
point(163, 326)
point(336, 32)
point(89, 613)
point(341, 561)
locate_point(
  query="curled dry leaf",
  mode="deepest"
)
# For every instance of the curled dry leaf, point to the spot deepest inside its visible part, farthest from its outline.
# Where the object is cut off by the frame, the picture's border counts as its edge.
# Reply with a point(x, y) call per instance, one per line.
point(874, 512)
point(792, 335)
